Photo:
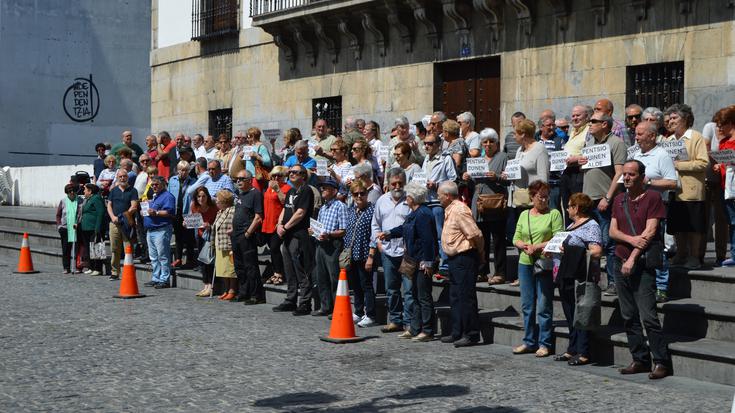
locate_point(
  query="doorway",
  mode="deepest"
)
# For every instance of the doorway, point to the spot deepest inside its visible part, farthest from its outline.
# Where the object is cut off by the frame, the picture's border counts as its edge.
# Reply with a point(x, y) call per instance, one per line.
point(473, 86)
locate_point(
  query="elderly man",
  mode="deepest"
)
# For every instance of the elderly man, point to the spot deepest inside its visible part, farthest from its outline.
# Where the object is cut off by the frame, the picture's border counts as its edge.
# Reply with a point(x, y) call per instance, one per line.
point(197, 143)
point(224, 153)
point(633, 114)
point(635, 227)
point(463, 243)
point(245, 226)
point(571, 177)
point(158, 223)
point(660, 176)
point(364, 172)
point(333, 217)
point(209, 148)
point(562, 124)
point(162, 159)
point(605, 106)
point(350, 131)
point(127, 141)
point(436, 120)
point(552, 142)
point(297, 248)
point(301, 157)
point(391, 211)
point(178, 186)
point(601, 184)
point(213, 179)
point(122, 199)
point(321, 139)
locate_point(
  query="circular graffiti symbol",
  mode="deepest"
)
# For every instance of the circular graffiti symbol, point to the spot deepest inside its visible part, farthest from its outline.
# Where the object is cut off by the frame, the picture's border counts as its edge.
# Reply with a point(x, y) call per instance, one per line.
point(82, 100)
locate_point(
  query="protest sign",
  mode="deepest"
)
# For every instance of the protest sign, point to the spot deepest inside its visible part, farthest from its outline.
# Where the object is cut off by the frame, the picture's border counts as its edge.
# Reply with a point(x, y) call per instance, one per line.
point(676, 149)
point(193, 221)
point(558, 160)
point(513, 169)
point(477, 167)
point(420, 178)
point(144, 208)
point(321, 167)
point(316, 227)
point(554, 244)
point(597, 156)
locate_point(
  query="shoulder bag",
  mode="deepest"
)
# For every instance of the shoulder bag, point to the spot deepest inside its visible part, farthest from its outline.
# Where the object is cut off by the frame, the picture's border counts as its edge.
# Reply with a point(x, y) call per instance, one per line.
point(541, 265)
point(345, 257)
point(491, 203)
point(521, 197)
point(588, 301)
point(206, 254)
point(653, 255)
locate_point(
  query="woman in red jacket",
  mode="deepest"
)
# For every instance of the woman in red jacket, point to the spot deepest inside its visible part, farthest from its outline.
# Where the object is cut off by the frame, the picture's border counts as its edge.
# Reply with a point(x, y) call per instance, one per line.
point(725, 120)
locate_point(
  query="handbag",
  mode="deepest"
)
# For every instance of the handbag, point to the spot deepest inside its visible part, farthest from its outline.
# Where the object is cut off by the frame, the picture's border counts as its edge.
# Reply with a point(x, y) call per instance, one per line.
point(542, 264)
point(206, 254)
point(521, 197)
point(97, 250)
point(730, 182)
point(489, 203)
point(408, 266)
point(345, 257)
point(588, 302)
point(653, 255)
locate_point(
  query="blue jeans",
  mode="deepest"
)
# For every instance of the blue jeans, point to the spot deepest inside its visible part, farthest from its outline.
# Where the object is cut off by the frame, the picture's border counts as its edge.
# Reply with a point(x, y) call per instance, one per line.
point(400, 306)
point(438, 213)
point(537, 294)
point(159, 252)
point(555, 197)
point(730, 210)
point(608, 244)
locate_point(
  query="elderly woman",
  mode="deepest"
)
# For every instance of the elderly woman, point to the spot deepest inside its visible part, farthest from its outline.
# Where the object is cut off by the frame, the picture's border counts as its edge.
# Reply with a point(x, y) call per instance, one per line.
point(725, 120)
point(357, 237)
point(654, 115)
point(419, 236)
point(492, 222)
point(341, 169)
point(456, 146)
point(402, 134)
point(223, 263)
point(260, 155)
point(203, 204)
point(585, 238)
point(536, 226)
point(178, 186)
point(466, 131)
point(290, 137)
point(107, 176)
point(686, 214)
point(274, 199)
point(402, 155)
point(67, 215)
point(534, 162)
point(90, 225)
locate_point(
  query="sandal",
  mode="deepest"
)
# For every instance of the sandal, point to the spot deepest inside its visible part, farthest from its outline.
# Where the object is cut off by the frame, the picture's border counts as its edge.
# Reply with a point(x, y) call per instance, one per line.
point(496, 279)
point(523, 349)
point(579, 361)
point(271, 280)
point(542, 352)
point(515, 283)
point(481, 278)
point(563, 357)
point(278, 280)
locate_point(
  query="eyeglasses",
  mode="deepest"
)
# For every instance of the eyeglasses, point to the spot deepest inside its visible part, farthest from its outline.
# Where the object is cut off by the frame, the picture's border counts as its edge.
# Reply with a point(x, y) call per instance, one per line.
point(429, 143)
point(564, 127)
point(356, 194)
point(213, 169)
point(357, 149)
point(596, 121)
point(144, 160)
point(154, 185)
point(638, 116)
point(294, 172)
point(240, 179)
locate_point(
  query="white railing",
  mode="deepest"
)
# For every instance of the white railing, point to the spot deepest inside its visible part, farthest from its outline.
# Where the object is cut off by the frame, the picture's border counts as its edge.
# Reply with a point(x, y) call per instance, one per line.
point(40, 185)
point(260, 7)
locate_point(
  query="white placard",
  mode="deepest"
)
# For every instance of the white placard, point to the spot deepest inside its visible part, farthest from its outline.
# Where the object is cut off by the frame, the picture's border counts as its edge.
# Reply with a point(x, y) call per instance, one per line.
point(558, 160)
point(246, 151)
point(384, 153)
point(597, 156)
point(321, 167)
point(676, 149)
point(554, 244)
point(316, 227)
point(312, 147)
point(420, 178)
point(513, 169)
point(349, 177)
point(725, 157)
point(193, 221)
point(477, 167)
point(633, 151)
point(144, 205)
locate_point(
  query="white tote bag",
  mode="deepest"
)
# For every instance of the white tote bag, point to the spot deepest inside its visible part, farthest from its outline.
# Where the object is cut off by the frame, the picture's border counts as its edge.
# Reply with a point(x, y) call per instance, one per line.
point(730, 182)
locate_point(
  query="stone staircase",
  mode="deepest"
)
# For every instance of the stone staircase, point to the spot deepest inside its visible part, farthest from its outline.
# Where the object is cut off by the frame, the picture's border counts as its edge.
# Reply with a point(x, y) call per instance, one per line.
point(699, 320)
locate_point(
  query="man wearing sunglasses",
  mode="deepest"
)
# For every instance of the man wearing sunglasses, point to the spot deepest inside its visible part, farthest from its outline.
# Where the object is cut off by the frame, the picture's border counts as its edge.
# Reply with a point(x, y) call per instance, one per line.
point(297, 248)
point(633, 116)
point(245, 226)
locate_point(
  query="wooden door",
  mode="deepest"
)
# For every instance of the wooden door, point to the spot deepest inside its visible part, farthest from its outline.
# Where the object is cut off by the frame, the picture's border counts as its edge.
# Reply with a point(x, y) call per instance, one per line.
point(472, 86)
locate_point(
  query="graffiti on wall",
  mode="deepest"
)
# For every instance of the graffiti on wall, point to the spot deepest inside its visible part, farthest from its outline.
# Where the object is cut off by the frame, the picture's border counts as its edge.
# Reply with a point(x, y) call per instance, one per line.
point(82, 100)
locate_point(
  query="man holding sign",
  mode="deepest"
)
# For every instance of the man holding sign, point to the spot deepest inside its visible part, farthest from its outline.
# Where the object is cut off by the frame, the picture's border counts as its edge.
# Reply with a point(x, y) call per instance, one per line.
point(601, 184)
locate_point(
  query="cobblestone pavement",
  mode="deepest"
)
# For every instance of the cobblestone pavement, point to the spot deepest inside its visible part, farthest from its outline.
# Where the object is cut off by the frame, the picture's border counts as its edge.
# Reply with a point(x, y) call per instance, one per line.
point(67, 345)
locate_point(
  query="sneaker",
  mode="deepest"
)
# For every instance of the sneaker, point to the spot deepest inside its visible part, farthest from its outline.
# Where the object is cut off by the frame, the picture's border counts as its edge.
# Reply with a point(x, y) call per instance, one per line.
point(95, 273)
point(356, 318)
point(301, 311)
point(284, 307)
point(692, 263)
point(661, 296)
point(66, 272)
point(114, 278)
point(87, 271)
point(366, 322)
point(728, 263)
point(610, 290)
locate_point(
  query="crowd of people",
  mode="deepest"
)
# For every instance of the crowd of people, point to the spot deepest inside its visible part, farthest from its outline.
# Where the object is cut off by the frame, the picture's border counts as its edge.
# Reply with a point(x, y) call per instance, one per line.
point(431, 200)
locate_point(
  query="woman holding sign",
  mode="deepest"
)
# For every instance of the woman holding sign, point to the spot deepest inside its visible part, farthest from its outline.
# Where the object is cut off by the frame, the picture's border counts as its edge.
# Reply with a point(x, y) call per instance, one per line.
point(584, 240)
point(203, 204)
point(536, 226)
point(686, 214)
point(489, 201)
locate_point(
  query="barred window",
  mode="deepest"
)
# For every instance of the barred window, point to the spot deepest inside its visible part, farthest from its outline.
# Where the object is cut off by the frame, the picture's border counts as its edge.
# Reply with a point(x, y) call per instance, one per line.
point(220, 121)
point(329, 109)
point(659, 84)
point(212, 19)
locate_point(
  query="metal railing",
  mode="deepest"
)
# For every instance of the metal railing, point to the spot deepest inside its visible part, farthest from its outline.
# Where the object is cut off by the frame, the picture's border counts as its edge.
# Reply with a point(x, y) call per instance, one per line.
point(213, 18)
point(261, 7)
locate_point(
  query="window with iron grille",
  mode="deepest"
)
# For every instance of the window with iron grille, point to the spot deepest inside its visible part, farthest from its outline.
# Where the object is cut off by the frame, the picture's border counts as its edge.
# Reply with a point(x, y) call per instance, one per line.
point(211, 19)
point(659, 84)
point(220, 121)
point(329, 109)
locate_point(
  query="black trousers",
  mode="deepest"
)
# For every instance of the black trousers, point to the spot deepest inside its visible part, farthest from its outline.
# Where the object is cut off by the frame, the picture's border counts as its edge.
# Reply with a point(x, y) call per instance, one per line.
point(361, 283)
point(637, 299)
point(245, 254)
point(184, 238)
point(84, 238)
point(66, 247)
point(462, 295)
point(207, 270)
point(274, 245)
point(298, 262)
point(579, 342)
point(494, 231)
point(571, 183)
point(327, 271)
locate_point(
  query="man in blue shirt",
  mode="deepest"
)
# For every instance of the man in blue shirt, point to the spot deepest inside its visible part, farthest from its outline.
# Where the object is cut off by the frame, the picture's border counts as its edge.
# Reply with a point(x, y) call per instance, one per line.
point(158, 221)
point(301, 157)
point(213, 179)
point(99, 163)
point(333, 217)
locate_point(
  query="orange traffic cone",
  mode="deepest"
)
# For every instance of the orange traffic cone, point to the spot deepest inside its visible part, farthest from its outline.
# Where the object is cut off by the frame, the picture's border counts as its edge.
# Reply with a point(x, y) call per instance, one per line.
point(342, 329)
point(128, 284)
point(25, 263)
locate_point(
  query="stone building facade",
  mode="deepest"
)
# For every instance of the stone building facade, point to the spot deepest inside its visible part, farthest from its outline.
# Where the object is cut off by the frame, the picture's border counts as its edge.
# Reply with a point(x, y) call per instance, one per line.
point(381, 59)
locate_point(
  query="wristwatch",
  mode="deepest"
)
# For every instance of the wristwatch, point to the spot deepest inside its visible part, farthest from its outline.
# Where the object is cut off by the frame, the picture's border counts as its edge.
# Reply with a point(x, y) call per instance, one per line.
point(607, 199)
point(648, 182)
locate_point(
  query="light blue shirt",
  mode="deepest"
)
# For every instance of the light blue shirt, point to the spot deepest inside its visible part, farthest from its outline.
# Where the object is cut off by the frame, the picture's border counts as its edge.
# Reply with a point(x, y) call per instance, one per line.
point(388, 215)
point(438, 168)
point(659, 165)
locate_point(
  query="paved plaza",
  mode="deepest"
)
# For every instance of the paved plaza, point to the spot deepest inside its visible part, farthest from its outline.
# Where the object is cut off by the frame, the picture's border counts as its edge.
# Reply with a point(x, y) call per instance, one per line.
point(67, 345)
